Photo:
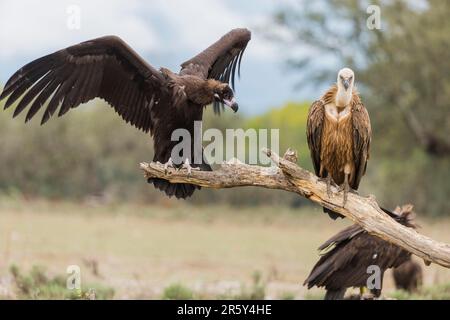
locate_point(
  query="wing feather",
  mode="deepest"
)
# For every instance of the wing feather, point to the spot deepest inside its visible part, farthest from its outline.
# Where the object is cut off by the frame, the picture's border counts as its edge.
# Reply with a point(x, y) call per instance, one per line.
point(362, 134)
point(314, 128)
point(35, 90)
point(220, 60)
point(105, 67)
point(40, 100)
point(217, 60)
point(354, 249)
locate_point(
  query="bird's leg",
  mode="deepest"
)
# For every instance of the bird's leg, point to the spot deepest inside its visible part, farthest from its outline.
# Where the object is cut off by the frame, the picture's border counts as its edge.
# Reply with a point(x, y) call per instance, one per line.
point(361, 292)
point(346, 188)
point(168, 164)
point(329, 181)
point(186, 165)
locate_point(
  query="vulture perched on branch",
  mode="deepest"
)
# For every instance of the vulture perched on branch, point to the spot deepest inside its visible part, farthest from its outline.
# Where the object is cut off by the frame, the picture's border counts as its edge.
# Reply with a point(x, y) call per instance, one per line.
point(350, 253)
point(154, 101)
point(339, 134)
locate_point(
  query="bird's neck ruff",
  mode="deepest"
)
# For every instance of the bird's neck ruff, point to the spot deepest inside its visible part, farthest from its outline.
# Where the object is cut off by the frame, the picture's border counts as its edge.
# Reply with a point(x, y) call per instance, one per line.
point(330, 98)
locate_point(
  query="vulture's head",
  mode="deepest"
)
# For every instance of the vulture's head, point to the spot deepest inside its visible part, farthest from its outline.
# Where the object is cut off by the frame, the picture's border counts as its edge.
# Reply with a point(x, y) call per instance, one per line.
point(224, 94)
point(346, 79)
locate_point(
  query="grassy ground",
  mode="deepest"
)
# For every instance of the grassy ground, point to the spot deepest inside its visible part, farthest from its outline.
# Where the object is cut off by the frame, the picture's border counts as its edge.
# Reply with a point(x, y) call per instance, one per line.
point(174, 250)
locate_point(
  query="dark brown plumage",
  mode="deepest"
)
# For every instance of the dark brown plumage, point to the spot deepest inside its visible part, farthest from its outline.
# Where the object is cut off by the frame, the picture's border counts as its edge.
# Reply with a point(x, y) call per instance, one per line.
point(154, 101)
point(408, 276)
point(349, 254)
point(339, 139)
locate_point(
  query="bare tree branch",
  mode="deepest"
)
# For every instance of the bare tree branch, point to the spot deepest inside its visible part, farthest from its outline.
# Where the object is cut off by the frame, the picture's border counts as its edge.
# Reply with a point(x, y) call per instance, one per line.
point(290, 177)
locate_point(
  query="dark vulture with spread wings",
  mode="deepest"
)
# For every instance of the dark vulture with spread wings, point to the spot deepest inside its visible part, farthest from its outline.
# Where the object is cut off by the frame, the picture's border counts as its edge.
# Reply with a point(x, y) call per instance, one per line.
point(349, 253)
point(154, 101)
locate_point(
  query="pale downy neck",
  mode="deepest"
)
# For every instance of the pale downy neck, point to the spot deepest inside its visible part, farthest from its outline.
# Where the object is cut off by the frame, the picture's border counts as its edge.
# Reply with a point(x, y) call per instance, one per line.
point(343, 97)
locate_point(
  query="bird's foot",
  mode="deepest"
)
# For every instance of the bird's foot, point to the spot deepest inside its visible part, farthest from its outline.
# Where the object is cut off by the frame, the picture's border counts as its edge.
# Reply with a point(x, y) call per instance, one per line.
point(168, 164)
point(330, 182)
point(361, 292)
point(345, 187)
point(186, 165)
point(368, 296)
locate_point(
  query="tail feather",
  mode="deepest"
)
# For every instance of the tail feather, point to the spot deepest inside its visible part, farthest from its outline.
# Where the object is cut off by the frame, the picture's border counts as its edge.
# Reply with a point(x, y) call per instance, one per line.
point(179, 190)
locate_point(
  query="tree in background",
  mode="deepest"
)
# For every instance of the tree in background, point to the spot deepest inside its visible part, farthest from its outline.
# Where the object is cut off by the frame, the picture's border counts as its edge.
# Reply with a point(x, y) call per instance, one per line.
point(403, 71)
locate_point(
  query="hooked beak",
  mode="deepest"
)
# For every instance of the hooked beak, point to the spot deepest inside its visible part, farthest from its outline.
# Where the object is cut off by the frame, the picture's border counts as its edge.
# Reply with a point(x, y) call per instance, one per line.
point(346, 84)
point(232, 104)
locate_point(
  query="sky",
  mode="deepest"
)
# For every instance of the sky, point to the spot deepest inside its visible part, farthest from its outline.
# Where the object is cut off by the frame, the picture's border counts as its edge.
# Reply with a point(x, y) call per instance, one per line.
point(164, 32)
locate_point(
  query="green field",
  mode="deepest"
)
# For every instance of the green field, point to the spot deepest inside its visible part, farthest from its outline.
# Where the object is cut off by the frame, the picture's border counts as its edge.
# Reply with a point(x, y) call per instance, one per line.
point(150, 251)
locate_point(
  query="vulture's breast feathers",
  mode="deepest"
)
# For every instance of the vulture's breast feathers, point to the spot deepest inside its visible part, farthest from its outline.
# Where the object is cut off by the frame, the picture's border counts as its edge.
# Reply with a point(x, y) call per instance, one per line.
point(337, 154)
point(337, 141)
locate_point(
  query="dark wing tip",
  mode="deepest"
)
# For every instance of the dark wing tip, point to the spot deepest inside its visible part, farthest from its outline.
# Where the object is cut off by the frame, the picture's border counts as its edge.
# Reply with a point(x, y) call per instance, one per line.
point(243, 33)
point(3, 95)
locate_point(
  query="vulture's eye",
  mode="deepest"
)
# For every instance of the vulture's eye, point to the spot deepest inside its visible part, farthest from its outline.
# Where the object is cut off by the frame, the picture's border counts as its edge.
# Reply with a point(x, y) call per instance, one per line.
point(227, 93)
point(342, 78)
point(351, 78)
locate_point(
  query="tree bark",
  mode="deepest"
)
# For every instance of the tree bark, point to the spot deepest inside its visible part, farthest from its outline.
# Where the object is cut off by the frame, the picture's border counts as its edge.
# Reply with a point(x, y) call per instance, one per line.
point(290, 177)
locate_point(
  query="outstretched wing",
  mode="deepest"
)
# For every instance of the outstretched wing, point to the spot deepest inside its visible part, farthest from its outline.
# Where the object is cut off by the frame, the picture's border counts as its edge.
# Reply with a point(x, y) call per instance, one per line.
point(362, 134)
point(314, 127)
point(104, 67)
point(221, 59)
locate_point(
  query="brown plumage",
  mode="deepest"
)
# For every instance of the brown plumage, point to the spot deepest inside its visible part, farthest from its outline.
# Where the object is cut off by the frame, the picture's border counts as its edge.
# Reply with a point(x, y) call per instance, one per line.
point(408, 276)
point(350, 252)
point(154, 101)
point(339, 138)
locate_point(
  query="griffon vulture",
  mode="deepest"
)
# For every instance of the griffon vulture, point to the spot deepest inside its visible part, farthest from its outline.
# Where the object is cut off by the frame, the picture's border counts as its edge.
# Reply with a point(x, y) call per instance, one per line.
point(338, 134)
point(154, 101)
point(350, 252)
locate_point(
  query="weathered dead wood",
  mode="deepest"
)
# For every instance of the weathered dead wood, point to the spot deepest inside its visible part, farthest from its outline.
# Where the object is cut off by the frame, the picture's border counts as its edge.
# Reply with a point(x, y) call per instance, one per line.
point(290, 177)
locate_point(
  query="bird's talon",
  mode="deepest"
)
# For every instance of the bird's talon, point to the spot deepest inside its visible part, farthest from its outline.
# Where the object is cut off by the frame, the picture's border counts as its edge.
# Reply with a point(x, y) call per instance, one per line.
point(168, 164)
point(346, 189)
point(186, 165)
point(329, 181)
point(328, 191)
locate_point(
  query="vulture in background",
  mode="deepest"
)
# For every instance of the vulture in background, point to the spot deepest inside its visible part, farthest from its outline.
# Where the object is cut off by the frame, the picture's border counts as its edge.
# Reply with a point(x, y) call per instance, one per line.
point(348, 254)
point(154, 101)
point(408, 276)
point(338, 132)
